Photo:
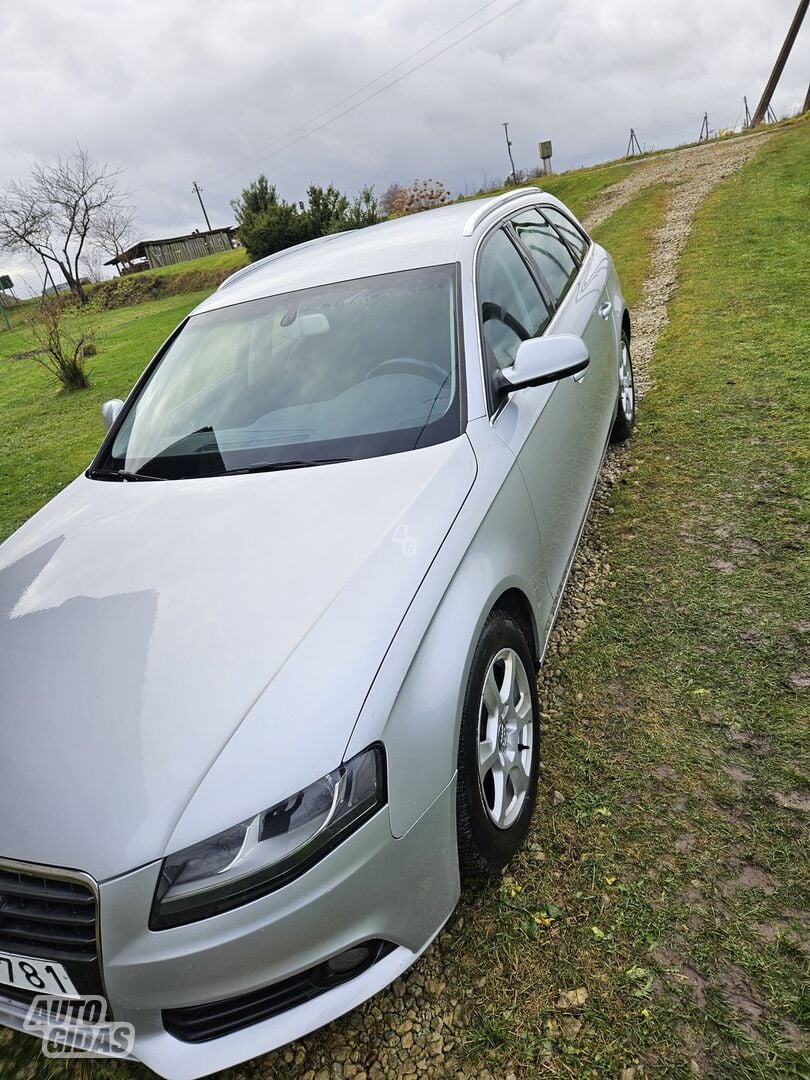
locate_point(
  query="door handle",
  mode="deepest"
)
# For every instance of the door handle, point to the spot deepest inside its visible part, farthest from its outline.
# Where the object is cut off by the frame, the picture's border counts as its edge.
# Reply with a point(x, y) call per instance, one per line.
point(605, 309)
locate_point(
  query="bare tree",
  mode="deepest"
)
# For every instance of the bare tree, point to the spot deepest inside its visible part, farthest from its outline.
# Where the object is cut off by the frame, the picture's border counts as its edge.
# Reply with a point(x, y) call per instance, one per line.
point(93, 264)
point(64, 337)
point(52, 214)
point(113, 229)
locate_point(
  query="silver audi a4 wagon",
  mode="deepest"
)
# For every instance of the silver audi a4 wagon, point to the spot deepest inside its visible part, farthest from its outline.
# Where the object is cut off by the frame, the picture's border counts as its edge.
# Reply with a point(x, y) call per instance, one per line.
point(268, 666)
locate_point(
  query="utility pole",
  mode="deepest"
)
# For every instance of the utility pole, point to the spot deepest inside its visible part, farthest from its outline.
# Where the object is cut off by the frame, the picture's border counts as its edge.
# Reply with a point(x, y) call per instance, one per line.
point(195, 187)
point(704, 129)
point(633, 147)
point(781, 60)
point(806, 106)
point(747, 121)
point(509, 152)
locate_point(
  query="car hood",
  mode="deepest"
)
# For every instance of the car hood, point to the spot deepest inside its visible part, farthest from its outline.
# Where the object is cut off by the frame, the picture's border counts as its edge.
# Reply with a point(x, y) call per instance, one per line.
point(141, 624)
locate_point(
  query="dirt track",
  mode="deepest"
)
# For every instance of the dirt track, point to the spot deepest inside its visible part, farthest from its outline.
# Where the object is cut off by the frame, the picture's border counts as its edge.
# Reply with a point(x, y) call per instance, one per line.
point(693, 173)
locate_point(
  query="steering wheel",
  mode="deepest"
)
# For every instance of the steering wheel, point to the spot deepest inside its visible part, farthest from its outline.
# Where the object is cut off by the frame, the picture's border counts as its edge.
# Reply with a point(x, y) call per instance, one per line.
point(409, 365)
point(494, 312)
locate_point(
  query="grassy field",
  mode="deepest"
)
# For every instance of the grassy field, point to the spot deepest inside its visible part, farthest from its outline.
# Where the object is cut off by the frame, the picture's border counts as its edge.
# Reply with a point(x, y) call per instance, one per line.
point(656, 925)
point(579, 189)
point(46, 437)
point(223, 260)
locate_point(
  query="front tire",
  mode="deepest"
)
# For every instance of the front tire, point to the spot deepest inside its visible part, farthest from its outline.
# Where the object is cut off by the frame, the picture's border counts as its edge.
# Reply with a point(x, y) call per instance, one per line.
point(499, 752)
point(626, 408)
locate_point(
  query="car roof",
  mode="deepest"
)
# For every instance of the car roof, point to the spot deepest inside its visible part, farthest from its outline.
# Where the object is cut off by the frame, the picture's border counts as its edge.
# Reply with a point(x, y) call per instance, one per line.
point(429, 238)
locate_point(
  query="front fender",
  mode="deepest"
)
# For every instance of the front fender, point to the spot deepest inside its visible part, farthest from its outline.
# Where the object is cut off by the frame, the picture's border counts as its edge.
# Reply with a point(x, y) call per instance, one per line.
point(416, 701)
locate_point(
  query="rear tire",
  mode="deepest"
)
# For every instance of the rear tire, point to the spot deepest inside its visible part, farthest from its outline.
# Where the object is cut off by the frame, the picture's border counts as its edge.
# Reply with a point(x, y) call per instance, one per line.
point(498, 754)
point(626, 407)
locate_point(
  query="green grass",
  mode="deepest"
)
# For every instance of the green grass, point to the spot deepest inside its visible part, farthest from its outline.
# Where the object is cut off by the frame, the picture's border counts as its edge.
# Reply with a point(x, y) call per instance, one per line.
point(47, 437)
point(628, 236)
point(18, 315)
point(222, 260)
point(579, 189)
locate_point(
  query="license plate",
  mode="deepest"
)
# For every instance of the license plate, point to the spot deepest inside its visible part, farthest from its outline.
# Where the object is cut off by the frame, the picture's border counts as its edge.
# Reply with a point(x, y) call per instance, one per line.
point(36, 976)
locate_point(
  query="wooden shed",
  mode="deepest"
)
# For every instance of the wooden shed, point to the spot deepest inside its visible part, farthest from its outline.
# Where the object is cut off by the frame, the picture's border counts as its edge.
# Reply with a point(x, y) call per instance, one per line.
point(151, 254)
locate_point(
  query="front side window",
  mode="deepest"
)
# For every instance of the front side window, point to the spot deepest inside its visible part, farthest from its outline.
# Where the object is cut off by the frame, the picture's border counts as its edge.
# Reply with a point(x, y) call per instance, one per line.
point(550, 254)
point(356, 369)
point(512, 308)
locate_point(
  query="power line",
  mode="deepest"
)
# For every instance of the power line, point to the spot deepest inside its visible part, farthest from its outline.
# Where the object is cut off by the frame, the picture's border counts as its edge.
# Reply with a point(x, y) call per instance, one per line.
point(294, 137)
point(373, 82)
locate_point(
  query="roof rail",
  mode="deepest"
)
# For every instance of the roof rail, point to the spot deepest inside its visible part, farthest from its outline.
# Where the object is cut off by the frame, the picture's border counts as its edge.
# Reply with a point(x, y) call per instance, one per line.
point(246, 271)
point(495, 203)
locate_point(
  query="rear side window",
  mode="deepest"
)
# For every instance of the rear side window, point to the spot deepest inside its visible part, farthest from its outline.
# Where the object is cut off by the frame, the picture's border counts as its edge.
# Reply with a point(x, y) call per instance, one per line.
point(550, 254)
point(512, 308)
point(575, 239)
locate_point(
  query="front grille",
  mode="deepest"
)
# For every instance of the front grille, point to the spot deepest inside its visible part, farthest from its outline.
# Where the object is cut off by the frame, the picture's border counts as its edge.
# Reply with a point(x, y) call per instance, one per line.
point(41, 916)
point(50, 918)
point(202, 1023)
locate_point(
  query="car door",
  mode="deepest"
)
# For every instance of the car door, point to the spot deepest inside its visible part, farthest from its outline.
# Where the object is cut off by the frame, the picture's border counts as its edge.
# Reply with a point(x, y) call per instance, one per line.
point(546, 427)
point(575, 275)
point(588, 311)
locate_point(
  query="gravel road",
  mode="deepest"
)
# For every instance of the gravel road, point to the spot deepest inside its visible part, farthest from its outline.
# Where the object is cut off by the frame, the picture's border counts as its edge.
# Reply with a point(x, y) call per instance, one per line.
point(412, 1030)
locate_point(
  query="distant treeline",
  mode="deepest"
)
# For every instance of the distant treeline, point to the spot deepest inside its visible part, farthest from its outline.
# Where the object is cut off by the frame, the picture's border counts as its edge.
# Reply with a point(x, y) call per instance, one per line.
point(268, 224)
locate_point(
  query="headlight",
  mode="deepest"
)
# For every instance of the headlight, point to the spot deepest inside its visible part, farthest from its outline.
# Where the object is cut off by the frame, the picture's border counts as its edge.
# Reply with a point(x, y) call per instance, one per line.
point(268, 850)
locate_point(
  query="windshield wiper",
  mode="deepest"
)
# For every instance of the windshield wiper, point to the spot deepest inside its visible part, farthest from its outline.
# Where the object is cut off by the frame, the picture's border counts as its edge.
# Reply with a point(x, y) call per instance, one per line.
point(123, 474)
point(290, 463)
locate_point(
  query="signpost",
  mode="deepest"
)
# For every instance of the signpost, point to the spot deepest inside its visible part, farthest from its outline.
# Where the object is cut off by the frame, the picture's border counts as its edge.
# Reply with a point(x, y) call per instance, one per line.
point(545, 156)
point(5, 283)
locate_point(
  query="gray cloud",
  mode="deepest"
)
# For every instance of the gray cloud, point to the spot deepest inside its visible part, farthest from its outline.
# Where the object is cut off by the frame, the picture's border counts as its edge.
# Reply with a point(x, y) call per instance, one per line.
point(176, 91)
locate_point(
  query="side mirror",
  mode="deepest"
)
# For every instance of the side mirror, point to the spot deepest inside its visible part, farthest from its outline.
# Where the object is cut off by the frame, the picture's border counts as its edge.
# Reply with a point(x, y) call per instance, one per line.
point(544, 360)
point(110, 410)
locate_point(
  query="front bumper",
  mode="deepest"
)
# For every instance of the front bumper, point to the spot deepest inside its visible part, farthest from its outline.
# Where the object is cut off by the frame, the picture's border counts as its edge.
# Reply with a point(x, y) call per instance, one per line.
point(371, 886)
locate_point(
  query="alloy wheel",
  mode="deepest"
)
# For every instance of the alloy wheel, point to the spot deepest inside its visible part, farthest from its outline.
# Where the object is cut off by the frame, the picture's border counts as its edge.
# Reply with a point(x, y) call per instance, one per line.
point(627, 390)
point(505, 737)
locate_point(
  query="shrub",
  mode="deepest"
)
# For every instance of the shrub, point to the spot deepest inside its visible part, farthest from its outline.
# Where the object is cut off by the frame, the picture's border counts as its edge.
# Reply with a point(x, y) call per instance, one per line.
point(365, 210)
point(123, 291)
point(267, 224)
point(390, 198)
point(138, 288)
point(420, 195)
point(274, 229)
point(64, 337)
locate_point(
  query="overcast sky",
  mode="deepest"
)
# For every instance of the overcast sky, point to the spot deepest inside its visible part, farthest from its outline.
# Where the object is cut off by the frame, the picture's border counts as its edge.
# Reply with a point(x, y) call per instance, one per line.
point(175, 90)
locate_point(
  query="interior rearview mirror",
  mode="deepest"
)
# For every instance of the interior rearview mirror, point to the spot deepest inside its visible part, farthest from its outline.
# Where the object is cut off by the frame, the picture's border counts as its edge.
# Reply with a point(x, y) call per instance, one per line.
point(110, 410)
point(543, 360)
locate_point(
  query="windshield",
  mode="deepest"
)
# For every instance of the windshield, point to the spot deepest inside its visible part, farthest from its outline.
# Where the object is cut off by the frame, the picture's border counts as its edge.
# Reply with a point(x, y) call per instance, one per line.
point(356, 369)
